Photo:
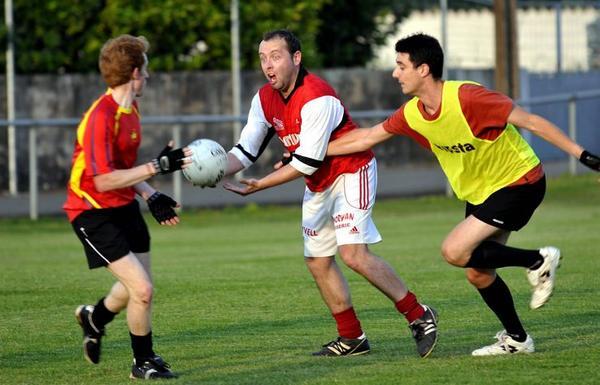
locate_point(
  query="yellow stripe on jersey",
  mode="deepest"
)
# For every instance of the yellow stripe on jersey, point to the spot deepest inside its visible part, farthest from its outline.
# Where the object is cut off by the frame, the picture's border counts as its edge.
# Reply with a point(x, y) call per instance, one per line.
point(476, 168)
point(79, 163)
point(120, 111)
point(76, 173)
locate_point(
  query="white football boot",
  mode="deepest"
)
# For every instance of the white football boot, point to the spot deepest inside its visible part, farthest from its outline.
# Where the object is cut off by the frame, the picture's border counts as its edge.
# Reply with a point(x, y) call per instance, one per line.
point(542, 279)
point(505, 345)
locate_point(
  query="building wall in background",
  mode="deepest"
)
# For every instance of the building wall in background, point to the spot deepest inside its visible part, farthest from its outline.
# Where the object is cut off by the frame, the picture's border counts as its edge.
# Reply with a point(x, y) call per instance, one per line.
point(471, 39)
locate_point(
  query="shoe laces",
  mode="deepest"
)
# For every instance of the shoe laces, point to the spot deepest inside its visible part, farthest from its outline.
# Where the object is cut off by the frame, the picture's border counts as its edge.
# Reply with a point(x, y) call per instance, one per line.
point(158, 362)
point(501, 336)
point(420, 326)
point(337, 344)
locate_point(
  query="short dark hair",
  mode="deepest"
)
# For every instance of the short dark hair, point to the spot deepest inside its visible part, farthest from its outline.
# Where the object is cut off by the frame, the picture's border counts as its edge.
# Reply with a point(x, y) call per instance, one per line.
point(293, 43)
point(423, 49)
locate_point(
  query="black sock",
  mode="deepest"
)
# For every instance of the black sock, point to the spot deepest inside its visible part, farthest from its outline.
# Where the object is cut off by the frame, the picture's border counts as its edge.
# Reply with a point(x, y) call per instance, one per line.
point(498, 298)
point(101, 315)
point(492, 255)
point(142, 347)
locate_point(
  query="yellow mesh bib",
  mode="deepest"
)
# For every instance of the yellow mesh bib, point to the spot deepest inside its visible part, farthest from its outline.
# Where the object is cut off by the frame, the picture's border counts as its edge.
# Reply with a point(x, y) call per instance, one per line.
point(475, 167)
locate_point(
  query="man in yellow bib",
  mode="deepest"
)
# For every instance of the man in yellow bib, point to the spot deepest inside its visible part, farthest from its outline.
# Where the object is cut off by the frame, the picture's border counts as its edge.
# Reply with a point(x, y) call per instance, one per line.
point(471, 130)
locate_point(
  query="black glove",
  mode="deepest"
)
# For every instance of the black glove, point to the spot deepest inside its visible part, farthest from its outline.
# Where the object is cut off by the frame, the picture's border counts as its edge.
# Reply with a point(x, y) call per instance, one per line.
point(590, 160)
point(169, 160)
point(161, 206)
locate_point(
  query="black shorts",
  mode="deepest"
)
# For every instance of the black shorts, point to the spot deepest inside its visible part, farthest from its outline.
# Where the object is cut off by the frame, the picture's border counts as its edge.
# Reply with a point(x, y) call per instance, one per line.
point(110, 234)
point(510, 208)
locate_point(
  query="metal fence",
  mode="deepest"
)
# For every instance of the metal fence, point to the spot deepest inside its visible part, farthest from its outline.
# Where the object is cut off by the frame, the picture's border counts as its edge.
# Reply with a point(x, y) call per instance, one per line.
point(178, 122)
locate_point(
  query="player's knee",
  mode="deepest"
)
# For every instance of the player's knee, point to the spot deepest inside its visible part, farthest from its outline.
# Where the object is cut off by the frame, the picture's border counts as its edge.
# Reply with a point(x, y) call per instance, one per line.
point(454, 254)
point(353, 263)
point(354, 258)
point(143, 293)
point(480, 278)
point(317, 266)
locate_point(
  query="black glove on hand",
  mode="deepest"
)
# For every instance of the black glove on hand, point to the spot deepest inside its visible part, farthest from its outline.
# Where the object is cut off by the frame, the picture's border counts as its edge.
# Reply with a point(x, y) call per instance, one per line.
point(590, 160)
point(169, 160)
point(161, 206)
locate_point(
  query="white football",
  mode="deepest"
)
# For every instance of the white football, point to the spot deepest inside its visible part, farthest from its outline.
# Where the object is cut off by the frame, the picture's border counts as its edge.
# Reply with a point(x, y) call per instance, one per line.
point(209, 161)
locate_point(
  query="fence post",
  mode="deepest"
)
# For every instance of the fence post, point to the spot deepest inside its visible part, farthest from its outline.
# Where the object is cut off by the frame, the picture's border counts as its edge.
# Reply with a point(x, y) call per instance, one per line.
point(236, 75)
point(33, 174)
point(177, 175)
point(13, 174)
point(558, 10)
point(573, 132)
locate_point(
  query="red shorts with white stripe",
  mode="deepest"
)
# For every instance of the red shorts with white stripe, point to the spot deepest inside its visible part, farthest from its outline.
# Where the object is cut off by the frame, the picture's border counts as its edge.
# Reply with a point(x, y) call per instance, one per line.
point(341, 215)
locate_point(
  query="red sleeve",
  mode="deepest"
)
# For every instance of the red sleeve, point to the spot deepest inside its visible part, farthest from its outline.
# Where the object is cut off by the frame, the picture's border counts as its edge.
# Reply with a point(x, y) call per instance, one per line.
point(98, 144)
point(486, 111)
point(396, 124)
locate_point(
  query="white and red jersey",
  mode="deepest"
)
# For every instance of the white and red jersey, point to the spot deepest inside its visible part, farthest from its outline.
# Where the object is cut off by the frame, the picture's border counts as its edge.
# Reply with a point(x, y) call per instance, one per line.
point(305, 122)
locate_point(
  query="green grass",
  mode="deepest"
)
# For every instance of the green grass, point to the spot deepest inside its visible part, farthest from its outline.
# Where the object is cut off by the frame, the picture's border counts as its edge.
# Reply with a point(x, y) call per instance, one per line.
point(234, 303)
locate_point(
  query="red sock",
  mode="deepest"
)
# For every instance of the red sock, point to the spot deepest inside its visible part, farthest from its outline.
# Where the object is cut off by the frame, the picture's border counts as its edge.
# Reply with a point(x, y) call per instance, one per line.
point(410, 307)
point(348, 324)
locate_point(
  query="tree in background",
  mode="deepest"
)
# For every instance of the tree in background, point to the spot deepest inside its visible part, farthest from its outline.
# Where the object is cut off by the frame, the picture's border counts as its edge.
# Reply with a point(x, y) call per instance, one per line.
point(66, 36)
point(351, 30)
point(187, 35)
point(54, 36)
point(58, 36)
point(183, 34)
point(259, 16)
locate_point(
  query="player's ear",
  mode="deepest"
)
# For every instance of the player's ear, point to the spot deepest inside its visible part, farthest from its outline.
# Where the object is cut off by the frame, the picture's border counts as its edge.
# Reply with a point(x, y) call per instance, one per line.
point(136, 75)
point(424, 70)
point(297, 57)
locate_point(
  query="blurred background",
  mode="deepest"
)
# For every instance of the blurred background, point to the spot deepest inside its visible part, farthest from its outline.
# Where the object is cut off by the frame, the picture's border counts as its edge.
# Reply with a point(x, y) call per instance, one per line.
point(204, 72)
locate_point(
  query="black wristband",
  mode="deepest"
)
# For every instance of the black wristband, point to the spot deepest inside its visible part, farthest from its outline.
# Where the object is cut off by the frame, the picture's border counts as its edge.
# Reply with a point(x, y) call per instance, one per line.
point(169, 161)
point(287, 159)
point(156, 165)
point(590, 160)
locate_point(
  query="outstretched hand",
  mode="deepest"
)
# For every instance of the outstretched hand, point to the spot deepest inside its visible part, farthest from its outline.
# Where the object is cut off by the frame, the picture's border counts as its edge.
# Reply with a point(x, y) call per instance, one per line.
point(162, 208)
point(287, 158)
point(251, 186)
point(590, 160)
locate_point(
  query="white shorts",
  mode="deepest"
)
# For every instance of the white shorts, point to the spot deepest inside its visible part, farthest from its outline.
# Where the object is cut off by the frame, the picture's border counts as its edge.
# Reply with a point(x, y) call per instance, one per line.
point(341, 215)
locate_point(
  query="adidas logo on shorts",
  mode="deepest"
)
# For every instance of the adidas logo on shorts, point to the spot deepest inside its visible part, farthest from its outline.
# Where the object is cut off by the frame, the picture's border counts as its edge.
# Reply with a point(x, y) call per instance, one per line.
point(354, 230)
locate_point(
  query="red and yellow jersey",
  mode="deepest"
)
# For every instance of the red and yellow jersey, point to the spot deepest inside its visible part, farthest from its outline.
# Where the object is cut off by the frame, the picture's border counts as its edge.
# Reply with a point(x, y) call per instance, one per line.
point(108, 138)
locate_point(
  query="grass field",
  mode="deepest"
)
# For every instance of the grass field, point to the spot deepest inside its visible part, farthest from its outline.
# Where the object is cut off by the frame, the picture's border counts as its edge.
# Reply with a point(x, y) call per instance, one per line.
point(234, 303)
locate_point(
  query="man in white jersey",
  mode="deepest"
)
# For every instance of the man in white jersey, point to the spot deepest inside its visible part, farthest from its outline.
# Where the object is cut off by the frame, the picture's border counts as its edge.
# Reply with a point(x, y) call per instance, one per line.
point(305, 113)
